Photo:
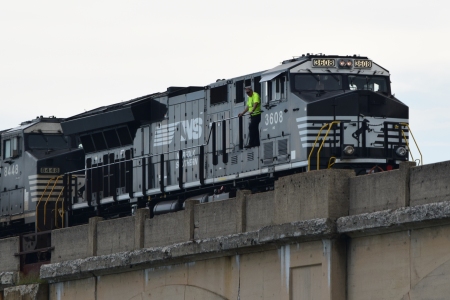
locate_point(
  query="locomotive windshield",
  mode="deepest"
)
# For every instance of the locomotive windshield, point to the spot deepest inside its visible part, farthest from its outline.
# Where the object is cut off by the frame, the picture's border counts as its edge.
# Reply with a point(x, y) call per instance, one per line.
point(333, 82)
point(41, 141)
point(366, 82)
point(314, 82)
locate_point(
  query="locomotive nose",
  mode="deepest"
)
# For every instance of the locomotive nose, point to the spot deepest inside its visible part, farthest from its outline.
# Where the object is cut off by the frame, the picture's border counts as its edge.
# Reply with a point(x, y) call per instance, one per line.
point(368, 103)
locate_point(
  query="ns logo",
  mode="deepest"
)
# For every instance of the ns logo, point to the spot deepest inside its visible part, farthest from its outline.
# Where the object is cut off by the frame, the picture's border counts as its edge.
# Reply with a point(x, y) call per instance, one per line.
point(190, 130)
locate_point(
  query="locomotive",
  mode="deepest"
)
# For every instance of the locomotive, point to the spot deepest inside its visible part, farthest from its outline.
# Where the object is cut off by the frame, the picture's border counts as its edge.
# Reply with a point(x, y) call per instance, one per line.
point(156, 151)
point(318, 111)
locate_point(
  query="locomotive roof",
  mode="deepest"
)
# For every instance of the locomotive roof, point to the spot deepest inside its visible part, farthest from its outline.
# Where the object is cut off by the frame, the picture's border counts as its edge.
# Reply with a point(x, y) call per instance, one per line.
point(27, 124)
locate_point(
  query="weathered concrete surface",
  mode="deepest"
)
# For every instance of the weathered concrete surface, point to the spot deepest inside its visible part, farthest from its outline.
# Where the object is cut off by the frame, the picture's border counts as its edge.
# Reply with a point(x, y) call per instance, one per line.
point(191, 251)
point(9, 262)
point(316, 194)
point(408, 265)
point(379, 267)
point(218, 218)
point(395, 220)
point(260, 210)
point(27, 292)
point(139, 227)
point(380, 191)
point(70, 243)
point(115, 235)
point(287, 271)
point(430, 183)
point(75, 290)
point(165, 229)
point(8, 279)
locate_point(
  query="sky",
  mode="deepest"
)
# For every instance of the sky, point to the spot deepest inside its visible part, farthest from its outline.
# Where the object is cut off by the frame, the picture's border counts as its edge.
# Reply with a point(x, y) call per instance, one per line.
point(60, 58)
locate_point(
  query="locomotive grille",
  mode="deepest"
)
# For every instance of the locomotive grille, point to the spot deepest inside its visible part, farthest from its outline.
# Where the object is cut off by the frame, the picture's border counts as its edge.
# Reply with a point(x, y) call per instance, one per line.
point(268, 150)
point(282, 147)
point(250, 156)
point(234, 160)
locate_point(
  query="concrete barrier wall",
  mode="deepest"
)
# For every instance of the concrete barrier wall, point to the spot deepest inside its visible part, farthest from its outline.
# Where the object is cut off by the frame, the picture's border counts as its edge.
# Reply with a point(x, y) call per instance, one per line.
point(380, 191)
point(70, 243)
point(165, 229)
point(316, 194)
point(115, 235)
point(219, 218)
point(430, 183)
point(9, 262)
point(260, 210)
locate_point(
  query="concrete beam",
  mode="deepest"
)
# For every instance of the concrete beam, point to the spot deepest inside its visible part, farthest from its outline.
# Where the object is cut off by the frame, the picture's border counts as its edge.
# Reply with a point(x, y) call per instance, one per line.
point(266, 238)
point(386, 221)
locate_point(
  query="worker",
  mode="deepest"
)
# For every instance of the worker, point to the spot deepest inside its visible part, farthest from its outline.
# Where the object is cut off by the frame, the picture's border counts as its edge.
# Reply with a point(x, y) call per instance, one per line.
point(254, 108)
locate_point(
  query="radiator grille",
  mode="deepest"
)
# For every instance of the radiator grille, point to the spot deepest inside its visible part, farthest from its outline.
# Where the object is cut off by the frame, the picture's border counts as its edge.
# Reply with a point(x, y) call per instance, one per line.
point(249, 156)
point(282, 147)
point(268, 150)
point(234, 160)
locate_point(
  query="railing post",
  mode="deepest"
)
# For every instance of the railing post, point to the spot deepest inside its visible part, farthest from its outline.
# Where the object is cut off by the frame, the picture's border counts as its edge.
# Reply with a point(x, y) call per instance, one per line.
point(214, 145)
point(224, 142)
point(180, 169)
point(202, 165)
point(161, 172)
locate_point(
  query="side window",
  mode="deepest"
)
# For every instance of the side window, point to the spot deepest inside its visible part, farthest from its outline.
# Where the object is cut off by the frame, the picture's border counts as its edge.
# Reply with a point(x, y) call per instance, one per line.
point(280, 90)
point(240, 92)
point(11, 147)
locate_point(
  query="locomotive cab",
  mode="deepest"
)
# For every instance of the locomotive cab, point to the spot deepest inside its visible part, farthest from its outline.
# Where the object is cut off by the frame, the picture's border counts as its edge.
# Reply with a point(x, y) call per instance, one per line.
point(32, 154)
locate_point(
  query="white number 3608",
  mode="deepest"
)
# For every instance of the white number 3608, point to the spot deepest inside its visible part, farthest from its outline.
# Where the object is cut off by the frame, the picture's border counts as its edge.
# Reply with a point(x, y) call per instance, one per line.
point(274, 118)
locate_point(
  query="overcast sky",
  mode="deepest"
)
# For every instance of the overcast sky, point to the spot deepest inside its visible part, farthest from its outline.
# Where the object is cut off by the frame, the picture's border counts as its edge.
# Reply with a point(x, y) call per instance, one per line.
point(64, 57)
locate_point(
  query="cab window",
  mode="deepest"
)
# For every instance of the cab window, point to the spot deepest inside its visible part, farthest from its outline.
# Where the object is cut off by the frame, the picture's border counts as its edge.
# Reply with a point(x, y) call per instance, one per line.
point(11, 147)
point(365, 82)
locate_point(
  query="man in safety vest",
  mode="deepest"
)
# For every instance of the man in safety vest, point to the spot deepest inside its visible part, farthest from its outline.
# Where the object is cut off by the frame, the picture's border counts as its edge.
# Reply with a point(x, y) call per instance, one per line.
point(254, 108)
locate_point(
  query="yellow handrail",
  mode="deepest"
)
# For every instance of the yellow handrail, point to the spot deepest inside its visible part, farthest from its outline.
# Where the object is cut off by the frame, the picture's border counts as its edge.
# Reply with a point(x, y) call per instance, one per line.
point(56, 210)
point(330, 125)
point(314, 145)
point(39, 202)
point(48, 198)
point(331, 161)
point(407, 125)
point(324, 140)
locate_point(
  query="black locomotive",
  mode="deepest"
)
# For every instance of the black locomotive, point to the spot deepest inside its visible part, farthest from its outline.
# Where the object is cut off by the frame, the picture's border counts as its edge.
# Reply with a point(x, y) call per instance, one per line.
point(318, 112)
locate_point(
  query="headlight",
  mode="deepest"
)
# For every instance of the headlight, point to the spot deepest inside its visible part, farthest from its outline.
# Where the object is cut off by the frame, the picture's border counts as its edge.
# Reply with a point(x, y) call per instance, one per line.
point(349, 63)
point(401, 151)
point(349, 150)
point(342, 63)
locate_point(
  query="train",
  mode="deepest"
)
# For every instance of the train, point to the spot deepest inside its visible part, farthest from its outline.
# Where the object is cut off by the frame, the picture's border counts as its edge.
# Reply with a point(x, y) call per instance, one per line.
point(318, 111)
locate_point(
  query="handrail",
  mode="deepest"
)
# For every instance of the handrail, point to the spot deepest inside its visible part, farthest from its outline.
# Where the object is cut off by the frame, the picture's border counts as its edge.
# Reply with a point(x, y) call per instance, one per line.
point(48, 198)
point(39, 202)
point(330, 125)
point(407, 144)
point(154, 155)
point(56, 210)
point(331, 161)
point(314, 145)
point(324, 140)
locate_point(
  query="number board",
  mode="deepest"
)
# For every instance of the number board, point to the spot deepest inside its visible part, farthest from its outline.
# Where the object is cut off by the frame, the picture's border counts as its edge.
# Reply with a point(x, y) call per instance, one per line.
point(323, 62)
point(49, 170)
point(362, 64)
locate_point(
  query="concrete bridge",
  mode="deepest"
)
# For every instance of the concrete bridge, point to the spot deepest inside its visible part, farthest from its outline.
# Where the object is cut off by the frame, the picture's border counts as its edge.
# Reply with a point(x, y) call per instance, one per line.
point(319, 235)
